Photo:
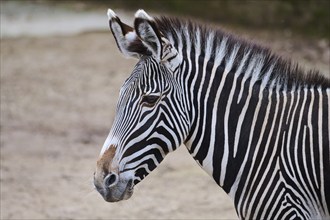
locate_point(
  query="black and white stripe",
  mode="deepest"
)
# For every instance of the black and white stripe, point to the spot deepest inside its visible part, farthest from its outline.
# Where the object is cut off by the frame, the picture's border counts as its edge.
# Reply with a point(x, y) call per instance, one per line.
point(256, 123)
point(260, 127)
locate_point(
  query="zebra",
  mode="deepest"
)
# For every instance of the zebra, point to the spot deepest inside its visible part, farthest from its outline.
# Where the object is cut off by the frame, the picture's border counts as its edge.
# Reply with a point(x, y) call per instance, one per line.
point(256, 123)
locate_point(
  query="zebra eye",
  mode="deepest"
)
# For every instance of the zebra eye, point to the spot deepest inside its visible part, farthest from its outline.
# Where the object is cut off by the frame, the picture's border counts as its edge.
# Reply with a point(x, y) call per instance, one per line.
point(149, 100)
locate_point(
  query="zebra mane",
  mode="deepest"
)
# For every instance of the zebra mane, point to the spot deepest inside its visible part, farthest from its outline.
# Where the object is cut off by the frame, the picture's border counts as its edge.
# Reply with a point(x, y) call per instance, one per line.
point(284, 72)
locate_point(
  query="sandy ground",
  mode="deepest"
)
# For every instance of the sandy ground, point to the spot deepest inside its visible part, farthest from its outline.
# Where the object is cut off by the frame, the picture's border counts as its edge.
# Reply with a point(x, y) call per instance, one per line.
point(57, 103)
point(58, 95)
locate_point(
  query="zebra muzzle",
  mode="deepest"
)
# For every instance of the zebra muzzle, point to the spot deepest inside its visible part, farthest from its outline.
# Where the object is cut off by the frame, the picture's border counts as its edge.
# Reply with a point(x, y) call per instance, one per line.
point(114, 187)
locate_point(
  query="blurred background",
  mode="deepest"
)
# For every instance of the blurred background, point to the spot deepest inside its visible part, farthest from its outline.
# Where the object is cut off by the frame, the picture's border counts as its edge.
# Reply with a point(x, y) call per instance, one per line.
point(60, 77)
point(305, 17)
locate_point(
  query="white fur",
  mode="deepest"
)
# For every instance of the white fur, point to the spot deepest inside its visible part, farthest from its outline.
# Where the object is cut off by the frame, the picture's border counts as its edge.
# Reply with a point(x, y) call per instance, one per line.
point(108, 142)
point(130, 36)
point(111, 14)
point(142, 14)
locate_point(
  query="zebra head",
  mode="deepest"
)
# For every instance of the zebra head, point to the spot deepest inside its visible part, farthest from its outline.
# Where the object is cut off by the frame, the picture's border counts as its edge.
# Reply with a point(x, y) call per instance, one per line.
point(150, 117)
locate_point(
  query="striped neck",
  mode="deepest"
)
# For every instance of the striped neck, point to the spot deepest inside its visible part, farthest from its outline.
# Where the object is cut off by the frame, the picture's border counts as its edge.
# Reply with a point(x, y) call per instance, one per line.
point(227, 81)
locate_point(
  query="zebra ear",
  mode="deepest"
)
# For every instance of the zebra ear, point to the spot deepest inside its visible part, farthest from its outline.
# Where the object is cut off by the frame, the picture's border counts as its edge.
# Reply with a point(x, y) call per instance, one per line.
point(160, 47)
point(147, 31)
point(127, 40)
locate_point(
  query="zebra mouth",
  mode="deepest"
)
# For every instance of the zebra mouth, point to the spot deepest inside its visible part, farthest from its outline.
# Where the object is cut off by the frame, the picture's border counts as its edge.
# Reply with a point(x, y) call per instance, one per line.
point(123, 191)
point(128, 190)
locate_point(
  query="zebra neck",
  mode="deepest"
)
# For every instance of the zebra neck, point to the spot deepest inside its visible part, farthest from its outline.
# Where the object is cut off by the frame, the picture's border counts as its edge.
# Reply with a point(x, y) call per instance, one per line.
point(226, 101)
point(252, 115)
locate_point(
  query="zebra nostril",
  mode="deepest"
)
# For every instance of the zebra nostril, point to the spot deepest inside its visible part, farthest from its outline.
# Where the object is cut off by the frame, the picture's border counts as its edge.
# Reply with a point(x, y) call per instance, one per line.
point(111, 179)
